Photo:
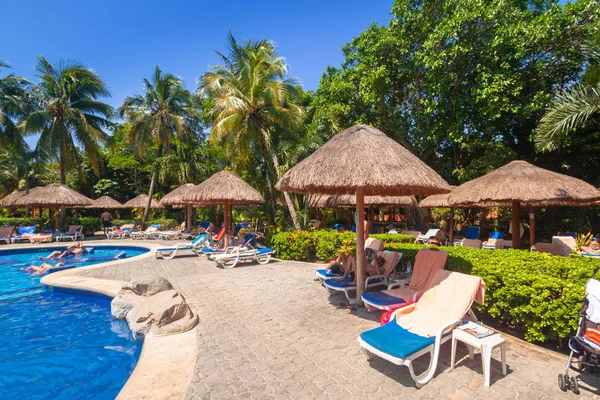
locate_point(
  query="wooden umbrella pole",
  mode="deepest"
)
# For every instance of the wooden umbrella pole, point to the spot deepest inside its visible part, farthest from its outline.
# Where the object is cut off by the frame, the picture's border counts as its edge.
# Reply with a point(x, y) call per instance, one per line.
point(360, 244)
point(226, 224)
point(531, 226)
point(188, 222)
point(451, 233)
point(57, 219)
point(516, 229)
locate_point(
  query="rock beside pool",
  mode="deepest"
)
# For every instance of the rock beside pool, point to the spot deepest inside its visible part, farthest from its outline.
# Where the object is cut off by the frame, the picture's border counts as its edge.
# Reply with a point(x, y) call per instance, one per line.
point(148, 286)
point(123, 302)
point(165, 313)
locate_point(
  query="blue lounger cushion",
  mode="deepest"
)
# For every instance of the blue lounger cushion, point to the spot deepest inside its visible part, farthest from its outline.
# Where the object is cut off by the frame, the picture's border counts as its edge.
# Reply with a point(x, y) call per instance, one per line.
point(212, 251)
point(264, 250)
point(337, 284)
point(394, 340)
point(187, 247)
point(326, 273)
point(382, 299)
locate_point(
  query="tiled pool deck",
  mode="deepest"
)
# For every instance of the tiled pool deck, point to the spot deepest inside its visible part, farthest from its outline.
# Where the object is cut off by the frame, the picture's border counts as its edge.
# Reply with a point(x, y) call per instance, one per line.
point(272, 332)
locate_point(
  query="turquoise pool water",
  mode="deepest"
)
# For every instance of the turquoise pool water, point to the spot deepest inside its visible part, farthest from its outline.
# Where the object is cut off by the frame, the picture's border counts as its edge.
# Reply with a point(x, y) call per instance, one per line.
point(60, 345)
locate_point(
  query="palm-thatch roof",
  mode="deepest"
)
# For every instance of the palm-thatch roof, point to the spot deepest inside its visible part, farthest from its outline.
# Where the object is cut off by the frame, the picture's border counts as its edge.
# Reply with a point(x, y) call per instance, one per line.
point(223, 187)
point(175, 197)
point(141, 201)
point(105, 202)
point(519, 181)
point(435, 201)
point(9, 200)
point(349, 201)
point(54, 195)
point(363, 157)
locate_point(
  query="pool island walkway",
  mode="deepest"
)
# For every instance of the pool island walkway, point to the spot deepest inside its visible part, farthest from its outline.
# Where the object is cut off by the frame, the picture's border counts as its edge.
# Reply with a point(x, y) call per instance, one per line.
point(271, 332)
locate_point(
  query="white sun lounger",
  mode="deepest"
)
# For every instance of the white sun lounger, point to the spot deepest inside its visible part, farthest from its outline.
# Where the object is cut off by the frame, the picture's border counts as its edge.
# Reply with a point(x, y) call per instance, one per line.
point(195, 246)
point(230, 260)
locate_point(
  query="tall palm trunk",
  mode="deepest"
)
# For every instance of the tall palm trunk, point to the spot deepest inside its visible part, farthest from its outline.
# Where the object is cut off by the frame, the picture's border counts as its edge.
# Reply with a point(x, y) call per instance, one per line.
point(152, 185)
point(286, 195)
point(63, 181)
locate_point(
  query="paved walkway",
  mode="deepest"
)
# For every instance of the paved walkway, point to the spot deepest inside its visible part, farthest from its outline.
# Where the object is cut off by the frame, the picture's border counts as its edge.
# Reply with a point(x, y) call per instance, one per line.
point(272, 332)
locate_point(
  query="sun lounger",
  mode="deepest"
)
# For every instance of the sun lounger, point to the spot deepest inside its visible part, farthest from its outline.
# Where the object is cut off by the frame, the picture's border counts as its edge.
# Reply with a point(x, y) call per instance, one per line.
point(121, 233)
point(145, 234)
point(250, 237)
point(491, 242)
point(551, 248)
point(42, 237)
point(346, 286)
point(427, 237)
point(23, 234)
point(427, 263)
point(231, 259)
point(370, 243)
point(171, 234)
point(472, 243)
point(74, 233)
point(195, 246)
point(472, 232)
point(6, 233)
point(422, 327)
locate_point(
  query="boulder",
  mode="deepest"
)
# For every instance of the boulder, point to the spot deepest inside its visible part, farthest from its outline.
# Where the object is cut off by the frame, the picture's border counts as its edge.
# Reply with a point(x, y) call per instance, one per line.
point(148, 286)
point(123, 302)
point(165, 313)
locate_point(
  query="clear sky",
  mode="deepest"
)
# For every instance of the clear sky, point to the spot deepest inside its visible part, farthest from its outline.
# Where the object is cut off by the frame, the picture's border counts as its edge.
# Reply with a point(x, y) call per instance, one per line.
point(124, 40)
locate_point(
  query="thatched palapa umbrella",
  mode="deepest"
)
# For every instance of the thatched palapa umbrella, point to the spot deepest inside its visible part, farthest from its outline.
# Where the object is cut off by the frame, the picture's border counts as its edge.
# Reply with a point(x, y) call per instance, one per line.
point(175, 198)
point(54, 196)
point(105, 203)
point(141, 201)
point(519, 183)
point(441, 201)
point(224, 188)
point(365, 162)
point(10, 200)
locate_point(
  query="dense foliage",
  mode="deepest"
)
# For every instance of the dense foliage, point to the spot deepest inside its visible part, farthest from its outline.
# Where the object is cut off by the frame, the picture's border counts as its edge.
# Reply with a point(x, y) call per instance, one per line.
point(537, 293)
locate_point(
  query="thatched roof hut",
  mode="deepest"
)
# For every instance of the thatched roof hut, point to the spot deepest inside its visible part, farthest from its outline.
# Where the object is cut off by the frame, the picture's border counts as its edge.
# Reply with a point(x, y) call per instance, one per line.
point(141, 201)
point(349, 201)
point(520, 183)
point(175, 196)
point(435, 201)
point(105, 202)
point(363, 161)
point(363, 157)
point(54, 195)
point(9, 200)
point(223, 187)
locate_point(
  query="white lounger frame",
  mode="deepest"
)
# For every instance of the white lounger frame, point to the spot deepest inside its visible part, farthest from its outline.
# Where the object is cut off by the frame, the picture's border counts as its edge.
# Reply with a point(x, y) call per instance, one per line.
point(170, 254)
point(433, 349)
point(369, 283)
point(230, 260)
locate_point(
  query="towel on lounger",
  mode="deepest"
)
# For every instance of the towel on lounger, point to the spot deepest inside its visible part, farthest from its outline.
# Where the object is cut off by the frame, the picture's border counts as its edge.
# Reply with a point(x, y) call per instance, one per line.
point(449, 298)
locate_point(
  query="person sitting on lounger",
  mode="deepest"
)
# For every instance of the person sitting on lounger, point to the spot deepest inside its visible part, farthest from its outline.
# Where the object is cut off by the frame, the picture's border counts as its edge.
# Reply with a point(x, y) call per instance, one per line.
point(589, 250)
point(38, 270)
point(371, 268)
point(74, 249)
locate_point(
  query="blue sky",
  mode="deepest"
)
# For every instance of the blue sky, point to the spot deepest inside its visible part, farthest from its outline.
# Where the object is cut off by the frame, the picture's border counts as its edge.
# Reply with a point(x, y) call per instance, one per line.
point(124, 40)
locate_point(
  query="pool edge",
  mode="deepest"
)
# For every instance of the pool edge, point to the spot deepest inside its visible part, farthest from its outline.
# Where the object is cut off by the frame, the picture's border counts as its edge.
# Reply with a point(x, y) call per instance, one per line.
point(166, 365)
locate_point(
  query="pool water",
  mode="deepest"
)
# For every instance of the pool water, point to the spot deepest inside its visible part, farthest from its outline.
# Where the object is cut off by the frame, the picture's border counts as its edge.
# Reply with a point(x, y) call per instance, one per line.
point(59, 345)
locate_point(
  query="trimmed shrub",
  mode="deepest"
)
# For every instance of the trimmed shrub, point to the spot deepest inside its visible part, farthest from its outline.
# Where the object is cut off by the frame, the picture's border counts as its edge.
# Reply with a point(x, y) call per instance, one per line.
point(538, 293)
point(394, 237)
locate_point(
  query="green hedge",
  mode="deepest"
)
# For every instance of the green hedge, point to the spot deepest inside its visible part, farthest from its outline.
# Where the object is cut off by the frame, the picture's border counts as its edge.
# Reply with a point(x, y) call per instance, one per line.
point(322, 244)
point(538, 293)
point(16, 222)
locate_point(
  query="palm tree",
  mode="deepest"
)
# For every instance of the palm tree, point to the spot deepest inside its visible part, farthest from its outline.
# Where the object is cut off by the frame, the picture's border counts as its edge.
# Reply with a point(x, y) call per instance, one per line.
point(161, 116)
point(252, 98)
point(572, 107)
point(14, 101)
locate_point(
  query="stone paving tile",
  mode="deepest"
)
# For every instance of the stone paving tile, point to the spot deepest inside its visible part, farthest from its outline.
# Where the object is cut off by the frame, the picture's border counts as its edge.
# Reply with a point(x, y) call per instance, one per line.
point(271, 332)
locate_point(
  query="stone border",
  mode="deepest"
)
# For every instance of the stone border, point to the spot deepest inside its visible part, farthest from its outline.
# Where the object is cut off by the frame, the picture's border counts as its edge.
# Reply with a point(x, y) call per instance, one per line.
point(166, 365)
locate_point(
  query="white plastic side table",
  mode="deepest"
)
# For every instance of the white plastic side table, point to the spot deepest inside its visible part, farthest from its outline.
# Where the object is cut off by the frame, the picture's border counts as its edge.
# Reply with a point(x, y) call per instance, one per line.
point(486, 345)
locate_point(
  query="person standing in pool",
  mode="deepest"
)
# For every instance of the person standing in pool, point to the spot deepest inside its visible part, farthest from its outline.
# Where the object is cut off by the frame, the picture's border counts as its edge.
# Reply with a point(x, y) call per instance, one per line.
point(105, 220)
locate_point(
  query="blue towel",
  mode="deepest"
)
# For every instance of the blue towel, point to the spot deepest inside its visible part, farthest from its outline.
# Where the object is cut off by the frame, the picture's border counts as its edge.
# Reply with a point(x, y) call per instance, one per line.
point(339, 284)
point(396, 341)
point(382, 299)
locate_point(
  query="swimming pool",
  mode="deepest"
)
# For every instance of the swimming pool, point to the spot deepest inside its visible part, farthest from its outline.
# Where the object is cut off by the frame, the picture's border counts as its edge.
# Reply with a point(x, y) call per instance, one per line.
point(60, 345)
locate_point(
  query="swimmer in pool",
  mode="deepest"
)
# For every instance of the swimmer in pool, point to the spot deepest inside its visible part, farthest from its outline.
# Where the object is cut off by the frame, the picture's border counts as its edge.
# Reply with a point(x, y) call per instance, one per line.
point(74, 249)
point(38, 270)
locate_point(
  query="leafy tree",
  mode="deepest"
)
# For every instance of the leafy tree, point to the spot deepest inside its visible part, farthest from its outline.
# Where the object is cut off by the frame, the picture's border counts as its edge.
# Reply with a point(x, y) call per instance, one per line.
point(161, 116)
point(252, 99)
point(572, 107)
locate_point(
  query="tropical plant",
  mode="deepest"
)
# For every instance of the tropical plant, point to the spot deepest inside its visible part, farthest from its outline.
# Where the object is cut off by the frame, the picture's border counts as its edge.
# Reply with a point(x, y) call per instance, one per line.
point(160, 117)
point(68, 113)
point(582, 240)
point(251, 100)
point(574, 106)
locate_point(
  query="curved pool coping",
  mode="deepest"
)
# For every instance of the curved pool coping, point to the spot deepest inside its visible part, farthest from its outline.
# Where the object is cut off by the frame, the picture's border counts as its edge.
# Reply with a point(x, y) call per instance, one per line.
point(166, 364)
